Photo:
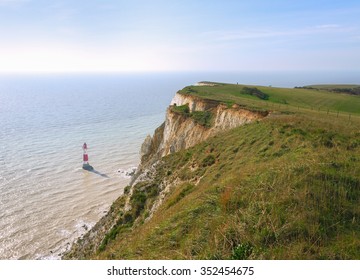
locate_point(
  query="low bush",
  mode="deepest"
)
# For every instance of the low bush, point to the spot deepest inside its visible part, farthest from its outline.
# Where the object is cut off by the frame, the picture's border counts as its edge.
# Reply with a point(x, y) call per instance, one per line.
point(255, 92)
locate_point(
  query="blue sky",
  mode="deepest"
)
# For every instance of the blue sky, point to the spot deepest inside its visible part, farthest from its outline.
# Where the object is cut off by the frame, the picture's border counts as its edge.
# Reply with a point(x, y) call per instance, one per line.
point(158, 35)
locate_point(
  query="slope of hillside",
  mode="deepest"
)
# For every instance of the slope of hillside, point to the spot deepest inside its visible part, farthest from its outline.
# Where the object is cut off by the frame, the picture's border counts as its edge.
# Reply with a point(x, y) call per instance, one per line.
point(286, 186)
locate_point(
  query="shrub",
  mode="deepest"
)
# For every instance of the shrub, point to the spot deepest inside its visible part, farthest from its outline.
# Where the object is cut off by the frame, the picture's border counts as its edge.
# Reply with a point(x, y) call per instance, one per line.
point(255, 92)
point(138, 200)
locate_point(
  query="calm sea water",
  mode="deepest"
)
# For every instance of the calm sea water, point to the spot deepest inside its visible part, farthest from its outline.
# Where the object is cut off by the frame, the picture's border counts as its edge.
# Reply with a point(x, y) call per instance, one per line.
point(47, 200)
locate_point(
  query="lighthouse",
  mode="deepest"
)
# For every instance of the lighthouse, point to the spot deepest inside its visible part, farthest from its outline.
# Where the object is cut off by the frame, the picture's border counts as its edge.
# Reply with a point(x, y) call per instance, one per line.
point(86, 164)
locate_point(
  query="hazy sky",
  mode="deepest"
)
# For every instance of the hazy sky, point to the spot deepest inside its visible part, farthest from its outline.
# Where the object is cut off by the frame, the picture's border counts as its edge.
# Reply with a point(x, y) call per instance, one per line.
point(131, 35)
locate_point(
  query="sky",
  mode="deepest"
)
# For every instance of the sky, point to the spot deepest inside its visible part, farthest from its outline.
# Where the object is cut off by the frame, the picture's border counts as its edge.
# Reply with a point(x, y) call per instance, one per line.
point(179, 35)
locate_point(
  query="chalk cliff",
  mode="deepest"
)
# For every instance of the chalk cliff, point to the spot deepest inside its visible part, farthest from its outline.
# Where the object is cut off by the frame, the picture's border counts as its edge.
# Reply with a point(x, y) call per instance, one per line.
point(180, 131)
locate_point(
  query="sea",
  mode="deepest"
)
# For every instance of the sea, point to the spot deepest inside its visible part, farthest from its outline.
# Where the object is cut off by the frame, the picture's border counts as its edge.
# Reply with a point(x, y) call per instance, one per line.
point(47, 200)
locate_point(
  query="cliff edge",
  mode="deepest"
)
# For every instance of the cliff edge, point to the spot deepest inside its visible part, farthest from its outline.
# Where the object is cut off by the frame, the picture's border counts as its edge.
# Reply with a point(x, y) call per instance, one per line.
point(221, 179)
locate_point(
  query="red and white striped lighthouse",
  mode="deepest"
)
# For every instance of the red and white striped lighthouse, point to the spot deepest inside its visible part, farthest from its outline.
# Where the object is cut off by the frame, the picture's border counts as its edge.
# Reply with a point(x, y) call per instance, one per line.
point(85, 155)
point(86, 164)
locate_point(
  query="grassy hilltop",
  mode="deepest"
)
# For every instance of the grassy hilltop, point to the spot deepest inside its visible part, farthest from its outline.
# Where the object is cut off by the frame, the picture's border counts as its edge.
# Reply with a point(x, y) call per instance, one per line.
point(318, 98)
point(285, 187)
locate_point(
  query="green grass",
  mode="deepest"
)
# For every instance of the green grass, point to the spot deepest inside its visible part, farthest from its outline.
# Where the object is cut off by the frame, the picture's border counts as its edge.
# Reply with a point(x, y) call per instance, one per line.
point(279, 98)
point(203, 118)
point(285, 187)
point(183, 109)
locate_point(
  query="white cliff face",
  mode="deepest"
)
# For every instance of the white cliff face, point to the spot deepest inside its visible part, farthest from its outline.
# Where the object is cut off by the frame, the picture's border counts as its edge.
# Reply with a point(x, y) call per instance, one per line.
point(228, 118)
point(181, 132)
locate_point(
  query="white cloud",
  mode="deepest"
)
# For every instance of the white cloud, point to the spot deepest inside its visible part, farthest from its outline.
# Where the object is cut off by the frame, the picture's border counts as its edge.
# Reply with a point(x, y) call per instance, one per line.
point(270, 33)
point(328, 26)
